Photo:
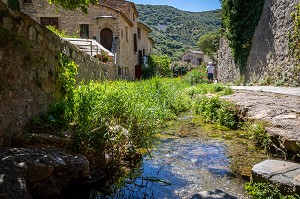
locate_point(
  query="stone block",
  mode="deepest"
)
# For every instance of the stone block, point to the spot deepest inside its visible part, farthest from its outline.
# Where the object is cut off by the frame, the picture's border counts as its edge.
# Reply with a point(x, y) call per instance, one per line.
point(282, 173)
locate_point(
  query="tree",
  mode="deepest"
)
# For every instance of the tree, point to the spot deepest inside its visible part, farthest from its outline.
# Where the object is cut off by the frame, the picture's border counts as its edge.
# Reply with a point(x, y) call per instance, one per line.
point(209, 43)
point(74, 4)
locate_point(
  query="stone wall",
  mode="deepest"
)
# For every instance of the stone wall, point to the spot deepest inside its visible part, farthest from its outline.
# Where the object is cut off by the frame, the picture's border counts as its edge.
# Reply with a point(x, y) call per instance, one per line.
point(228, 71)
point(28, 64)
point(268, 58)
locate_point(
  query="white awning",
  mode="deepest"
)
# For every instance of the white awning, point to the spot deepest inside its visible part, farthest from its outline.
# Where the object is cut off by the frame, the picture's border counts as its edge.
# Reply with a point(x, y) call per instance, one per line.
point(90, 46)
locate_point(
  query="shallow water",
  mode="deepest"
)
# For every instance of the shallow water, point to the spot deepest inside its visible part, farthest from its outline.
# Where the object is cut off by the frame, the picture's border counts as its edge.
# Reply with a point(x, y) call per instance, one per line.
point(180, 168)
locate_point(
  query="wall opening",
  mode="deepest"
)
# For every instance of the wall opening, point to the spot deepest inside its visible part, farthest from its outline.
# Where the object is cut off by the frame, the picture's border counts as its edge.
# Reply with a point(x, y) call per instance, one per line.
point(106, 38)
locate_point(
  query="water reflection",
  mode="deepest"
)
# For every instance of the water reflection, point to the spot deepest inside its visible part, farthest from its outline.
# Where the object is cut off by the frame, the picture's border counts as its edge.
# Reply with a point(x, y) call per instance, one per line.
point(180, 168)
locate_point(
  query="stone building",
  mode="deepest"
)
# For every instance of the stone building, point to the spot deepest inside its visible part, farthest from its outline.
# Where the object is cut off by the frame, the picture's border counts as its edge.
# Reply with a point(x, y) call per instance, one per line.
point(193, 57)
point(113, 23)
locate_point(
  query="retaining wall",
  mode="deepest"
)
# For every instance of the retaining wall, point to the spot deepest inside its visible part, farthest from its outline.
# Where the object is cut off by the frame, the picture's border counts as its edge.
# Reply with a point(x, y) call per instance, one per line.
point(28, 70)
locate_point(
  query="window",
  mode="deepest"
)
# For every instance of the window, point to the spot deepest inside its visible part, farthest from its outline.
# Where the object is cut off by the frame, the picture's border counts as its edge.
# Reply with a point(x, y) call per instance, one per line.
point(119, 71)
point(52, 21)
point(133, 17)
point(122, 33)
point(84, 31)
point(139, 33)
point(126, 32)
point(134, 43)
point(143, 52)
point(27, 1)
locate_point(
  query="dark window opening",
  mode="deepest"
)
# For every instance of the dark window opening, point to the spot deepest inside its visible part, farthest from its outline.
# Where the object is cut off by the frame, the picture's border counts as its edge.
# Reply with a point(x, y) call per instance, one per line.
point(52, 21)
point(134, 42)
point(119, 71)
point(126, 32)
point(140, 57)
point(143, 52)
point(200, 61)
point(27, 1)
point(84, 31)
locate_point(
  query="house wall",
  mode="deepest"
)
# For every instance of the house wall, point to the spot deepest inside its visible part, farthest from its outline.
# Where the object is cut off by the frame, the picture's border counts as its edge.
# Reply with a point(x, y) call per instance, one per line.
point(143, 43)
point(29, 70)
point(70, 22)
point(192, 57)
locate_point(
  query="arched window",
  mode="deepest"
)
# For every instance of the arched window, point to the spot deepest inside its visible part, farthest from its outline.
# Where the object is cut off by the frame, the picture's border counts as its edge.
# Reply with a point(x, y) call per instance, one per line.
point(106, 38)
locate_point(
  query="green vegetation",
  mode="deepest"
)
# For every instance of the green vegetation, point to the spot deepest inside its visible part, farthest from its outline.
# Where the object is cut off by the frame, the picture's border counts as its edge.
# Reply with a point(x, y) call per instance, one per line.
point(266, 191)
point(74, 4)
point(218, 111)
point(176, 31)
point(294, 43)
point(62, 33)
point(209, 43)
point(196, 76)
point(116, 118)
point(158, 65)
point(239, 19)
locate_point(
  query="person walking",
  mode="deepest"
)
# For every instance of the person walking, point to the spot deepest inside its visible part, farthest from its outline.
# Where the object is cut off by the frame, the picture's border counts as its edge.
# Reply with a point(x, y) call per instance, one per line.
point(210, 72)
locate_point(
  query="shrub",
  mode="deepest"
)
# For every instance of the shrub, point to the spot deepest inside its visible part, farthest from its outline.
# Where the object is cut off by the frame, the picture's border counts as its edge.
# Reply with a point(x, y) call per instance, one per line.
point(217, 111)
point(195, 76)
point(261, 135)
point(265, 191)
point(159, 65)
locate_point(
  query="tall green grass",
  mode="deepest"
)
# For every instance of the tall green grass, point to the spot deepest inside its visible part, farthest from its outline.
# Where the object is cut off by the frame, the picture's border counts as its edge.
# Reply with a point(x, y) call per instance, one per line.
point(141, 108)
point(117, 118)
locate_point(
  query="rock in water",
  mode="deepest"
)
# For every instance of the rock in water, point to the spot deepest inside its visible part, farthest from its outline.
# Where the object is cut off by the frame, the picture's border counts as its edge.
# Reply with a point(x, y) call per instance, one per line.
point(285, 174)
point(215, 194)
point(38, 173)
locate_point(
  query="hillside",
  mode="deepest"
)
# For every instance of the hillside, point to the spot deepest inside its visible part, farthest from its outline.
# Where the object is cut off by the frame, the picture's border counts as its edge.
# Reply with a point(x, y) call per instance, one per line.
point(175, 31)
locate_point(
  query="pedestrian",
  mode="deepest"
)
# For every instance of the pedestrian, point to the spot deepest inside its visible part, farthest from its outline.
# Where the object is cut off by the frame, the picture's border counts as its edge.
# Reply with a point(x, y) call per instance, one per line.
point(210, 72)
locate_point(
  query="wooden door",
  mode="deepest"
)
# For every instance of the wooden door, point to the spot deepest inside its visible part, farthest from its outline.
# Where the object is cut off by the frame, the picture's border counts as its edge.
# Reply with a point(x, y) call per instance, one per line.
point(106, 38)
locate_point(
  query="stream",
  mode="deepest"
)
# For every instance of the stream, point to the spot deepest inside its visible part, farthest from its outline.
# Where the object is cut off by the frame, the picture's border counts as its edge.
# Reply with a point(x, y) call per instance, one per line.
point(180, 167)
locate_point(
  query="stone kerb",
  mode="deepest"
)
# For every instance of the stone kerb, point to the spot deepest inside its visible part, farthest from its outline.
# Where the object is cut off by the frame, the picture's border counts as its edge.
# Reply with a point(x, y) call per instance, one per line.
point(29, 63)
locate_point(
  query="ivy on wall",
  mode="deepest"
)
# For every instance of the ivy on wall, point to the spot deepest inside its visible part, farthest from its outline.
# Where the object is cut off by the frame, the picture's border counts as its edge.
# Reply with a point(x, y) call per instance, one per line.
point(239, 20)
point(294, 42)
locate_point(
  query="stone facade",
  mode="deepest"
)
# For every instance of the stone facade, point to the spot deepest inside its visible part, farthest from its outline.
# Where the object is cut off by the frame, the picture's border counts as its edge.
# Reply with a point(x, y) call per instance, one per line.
point(269, 57)
point(227, 69)
point(193, 57)
point(118, 16)
point(269, 54)
point(29, 64)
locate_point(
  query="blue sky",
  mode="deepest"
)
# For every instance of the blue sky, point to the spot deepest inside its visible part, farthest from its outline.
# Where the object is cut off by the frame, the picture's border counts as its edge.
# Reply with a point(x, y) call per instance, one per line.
point(188, 5)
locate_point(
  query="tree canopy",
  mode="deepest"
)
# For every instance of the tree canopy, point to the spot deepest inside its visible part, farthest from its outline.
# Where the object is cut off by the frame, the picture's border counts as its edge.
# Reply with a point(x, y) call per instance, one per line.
point(74, 4)
point(209, 43)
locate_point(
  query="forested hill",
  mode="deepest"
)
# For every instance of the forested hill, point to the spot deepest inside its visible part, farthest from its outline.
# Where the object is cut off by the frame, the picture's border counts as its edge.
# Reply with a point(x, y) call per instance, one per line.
point(175, 31)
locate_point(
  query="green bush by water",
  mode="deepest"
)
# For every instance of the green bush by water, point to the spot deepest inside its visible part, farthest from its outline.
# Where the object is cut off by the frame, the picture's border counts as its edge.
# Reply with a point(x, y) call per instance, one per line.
point(218, 111)
point(267, 191)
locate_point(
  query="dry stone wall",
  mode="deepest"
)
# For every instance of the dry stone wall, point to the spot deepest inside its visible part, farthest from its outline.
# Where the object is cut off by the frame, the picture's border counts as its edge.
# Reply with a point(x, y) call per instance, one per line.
point(269, 59)
point(29, 64)
point(227, 69)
